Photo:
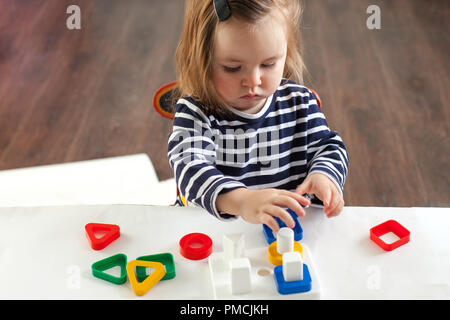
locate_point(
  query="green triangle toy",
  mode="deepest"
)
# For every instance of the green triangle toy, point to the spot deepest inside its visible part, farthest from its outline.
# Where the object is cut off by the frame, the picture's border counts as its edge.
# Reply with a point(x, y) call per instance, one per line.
point(100, 266)
point(165, 258)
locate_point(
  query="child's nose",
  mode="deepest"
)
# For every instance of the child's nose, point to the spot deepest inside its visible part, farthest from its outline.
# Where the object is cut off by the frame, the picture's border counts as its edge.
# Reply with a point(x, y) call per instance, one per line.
point(252, 79)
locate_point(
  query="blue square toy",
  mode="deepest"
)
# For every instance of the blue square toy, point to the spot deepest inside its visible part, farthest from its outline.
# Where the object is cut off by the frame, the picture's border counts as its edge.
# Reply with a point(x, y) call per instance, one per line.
point(289, 287)
point(298, 231)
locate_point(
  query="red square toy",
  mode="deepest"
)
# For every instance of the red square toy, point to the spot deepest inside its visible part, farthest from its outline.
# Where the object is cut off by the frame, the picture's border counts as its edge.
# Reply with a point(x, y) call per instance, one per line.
point(386, 227)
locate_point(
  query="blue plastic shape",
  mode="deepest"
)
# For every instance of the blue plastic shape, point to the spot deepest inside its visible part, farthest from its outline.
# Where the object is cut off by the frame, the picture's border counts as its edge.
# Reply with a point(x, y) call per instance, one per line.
point(289, 287)
point(298, 231)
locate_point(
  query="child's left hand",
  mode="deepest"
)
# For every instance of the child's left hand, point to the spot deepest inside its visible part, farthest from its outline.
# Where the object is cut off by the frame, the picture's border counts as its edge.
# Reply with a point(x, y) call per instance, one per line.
point(325, 190)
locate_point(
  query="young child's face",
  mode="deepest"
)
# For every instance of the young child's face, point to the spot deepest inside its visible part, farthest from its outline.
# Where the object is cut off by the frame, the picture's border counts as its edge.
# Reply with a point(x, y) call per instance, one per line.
point(248, 62)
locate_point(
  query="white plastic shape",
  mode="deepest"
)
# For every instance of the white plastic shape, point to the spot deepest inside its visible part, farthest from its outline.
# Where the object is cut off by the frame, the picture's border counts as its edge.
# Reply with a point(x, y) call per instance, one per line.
point(233, 246)
point(285, 240)
point(292, 266)
point(241, 281)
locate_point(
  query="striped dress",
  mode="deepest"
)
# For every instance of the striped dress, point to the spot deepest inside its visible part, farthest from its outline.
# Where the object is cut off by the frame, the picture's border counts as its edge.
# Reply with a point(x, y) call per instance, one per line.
point(275, 148)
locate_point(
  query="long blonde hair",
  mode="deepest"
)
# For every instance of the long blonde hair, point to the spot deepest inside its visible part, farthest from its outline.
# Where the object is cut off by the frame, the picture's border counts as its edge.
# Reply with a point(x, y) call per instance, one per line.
point(193, 56)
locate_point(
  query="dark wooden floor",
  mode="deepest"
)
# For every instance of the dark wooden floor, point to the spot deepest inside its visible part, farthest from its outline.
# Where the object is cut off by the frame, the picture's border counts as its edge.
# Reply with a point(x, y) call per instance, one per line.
point(70, 95)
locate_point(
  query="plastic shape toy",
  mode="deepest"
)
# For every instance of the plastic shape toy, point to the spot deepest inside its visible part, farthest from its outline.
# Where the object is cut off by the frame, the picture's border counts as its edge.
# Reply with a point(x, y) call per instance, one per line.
point(233, 246)
point(195, 246)
point(298, 231)
point(263, 283)
point(386, 227)
point(240, 274)
point(289, 287)
point(292, 266)
point(165, 258)
point(141, 288)
point(285, 240)
point(275, 257)
point(112, 233)
point(99, 267)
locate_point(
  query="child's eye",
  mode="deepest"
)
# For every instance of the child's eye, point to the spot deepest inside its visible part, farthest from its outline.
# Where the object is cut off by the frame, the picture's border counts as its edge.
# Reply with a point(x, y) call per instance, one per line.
point(268, 65)
point(231, 69)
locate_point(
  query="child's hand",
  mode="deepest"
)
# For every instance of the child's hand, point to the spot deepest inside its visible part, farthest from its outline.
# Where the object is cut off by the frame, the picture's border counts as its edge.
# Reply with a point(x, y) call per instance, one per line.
point(325, 190)
point(261, 206)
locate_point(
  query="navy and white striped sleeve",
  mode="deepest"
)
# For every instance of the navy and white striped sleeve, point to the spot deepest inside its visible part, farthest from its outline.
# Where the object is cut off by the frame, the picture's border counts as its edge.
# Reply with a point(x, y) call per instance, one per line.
point(326, 152)
point(192, 156)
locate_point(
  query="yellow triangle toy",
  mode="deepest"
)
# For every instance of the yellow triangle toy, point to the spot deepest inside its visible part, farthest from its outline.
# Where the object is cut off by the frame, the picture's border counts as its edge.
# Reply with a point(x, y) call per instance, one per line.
point(141, 288)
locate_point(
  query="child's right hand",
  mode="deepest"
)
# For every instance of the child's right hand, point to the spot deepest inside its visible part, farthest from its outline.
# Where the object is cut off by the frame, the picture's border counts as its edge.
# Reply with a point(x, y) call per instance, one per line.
point(261, 206)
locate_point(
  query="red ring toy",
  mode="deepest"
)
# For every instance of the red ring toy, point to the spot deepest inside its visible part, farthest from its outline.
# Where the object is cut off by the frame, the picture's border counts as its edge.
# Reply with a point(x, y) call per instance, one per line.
point(195, 253)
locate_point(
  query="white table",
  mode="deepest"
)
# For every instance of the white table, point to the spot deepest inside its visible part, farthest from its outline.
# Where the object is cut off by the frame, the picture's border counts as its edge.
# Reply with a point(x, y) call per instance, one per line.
point(129, 179)
point(44, 253)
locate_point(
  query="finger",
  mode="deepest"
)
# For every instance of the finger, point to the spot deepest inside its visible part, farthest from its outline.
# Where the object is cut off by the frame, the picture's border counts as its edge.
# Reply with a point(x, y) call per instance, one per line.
point(304, 201)
point(269, 221)
point(334, 202)
point(304, 187)
point(338, 209)
point(324, 194)
point(291, 203)
point(282, 214)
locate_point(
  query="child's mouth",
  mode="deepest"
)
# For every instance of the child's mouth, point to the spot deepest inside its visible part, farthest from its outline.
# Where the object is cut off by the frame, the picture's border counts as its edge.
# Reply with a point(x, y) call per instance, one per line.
point(250, 96)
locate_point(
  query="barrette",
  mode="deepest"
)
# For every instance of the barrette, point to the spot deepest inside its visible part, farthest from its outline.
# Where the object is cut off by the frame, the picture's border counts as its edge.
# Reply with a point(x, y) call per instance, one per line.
point(222, 9)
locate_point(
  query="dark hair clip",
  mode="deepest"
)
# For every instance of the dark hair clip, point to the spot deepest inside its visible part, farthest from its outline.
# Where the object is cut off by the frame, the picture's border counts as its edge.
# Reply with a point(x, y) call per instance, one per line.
point(222, 9)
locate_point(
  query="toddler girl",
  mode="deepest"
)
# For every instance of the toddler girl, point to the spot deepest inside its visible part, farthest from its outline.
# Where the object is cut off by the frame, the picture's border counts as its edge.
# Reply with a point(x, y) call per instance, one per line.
point(248, 139)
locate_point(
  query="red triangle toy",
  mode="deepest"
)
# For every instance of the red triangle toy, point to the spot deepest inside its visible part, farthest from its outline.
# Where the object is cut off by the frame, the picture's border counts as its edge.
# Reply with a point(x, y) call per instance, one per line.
point(112, 233)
